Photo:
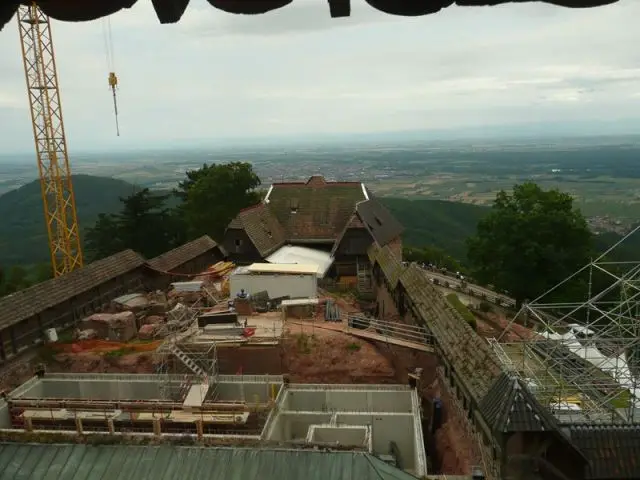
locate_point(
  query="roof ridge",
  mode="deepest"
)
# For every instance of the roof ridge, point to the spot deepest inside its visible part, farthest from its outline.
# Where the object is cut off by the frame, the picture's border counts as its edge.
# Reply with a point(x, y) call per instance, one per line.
point(251, 207)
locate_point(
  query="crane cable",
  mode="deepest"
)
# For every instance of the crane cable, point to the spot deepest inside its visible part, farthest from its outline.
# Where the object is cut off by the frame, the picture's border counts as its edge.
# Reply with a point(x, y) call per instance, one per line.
point(113, 79)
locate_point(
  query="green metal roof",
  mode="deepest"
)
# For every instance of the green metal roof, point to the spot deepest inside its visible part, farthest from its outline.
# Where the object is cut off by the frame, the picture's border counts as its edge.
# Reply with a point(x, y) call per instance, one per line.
point(128, 462)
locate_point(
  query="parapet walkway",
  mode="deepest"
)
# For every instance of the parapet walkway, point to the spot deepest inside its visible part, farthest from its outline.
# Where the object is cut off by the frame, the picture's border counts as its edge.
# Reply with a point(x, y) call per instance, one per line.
point(394, 333)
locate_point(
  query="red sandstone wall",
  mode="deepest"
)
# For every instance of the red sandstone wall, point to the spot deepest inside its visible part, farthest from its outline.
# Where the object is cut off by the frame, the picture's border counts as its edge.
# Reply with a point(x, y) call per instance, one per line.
point(386, 305)
point(251, 360)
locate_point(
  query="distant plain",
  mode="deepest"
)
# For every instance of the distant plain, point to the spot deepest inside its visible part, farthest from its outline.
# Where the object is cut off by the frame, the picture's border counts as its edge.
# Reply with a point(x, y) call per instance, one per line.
point(603, 174)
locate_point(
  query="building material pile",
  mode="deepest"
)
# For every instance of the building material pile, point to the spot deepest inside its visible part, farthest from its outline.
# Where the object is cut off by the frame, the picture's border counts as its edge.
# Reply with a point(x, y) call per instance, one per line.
point(216, 271)
point(134, 302)
point(113, 326)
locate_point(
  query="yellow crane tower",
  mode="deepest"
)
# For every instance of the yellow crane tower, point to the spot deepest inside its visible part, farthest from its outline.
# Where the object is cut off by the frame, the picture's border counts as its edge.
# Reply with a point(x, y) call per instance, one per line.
point(51, 145)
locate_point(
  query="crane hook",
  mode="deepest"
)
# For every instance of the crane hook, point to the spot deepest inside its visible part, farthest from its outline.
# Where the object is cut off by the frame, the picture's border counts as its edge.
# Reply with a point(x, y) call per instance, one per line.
point(113, 84)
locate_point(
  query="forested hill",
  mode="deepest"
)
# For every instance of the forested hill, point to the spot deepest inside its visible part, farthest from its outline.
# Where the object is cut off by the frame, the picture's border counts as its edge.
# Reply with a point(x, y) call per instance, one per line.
point(23, 237)
point(437, 223)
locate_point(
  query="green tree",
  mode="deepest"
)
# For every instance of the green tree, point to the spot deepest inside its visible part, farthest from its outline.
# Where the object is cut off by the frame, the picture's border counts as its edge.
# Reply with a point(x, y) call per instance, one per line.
point(13, 280)
point(214, 196)
point(103, 239)
point(531, 240)
point(144, 224)
point(192, 176)
point(434, 255)
point(42, 273)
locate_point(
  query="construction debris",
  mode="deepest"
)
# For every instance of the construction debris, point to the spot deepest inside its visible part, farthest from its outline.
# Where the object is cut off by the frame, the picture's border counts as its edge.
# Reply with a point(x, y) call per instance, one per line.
point(113, 326)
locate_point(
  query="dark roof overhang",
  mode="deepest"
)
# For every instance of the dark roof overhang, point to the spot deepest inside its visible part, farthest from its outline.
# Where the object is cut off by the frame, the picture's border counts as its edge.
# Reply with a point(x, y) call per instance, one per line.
point(170, 11)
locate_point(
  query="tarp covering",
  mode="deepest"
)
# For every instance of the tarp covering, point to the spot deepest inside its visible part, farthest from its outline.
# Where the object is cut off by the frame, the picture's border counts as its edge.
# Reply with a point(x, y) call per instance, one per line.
point(126, 462)
point(293, 254)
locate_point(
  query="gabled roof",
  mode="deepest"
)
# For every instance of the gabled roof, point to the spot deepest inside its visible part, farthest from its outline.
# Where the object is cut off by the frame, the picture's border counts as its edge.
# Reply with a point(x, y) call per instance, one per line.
point(510, 407)
point(353, 223)
point(178, 256)
point(316, 209)
point(37, 298)
point(262, 227)
point(37, 462)
point(613, 451)
point(378, 220)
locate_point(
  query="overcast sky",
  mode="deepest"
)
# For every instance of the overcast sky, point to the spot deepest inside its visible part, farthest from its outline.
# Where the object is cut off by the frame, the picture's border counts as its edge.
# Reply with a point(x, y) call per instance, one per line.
point(296, 71)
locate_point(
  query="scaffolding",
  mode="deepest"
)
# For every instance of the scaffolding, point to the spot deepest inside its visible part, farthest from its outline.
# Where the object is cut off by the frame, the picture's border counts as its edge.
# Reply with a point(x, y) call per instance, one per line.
point(583, 361)
point(178, 354)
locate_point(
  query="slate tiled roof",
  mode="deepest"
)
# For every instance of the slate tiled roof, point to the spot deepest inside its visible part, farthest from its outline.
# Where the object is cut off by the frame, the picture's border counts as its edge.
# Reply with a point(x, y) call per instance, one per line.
point(390, 265)
point(379, 221)
point(172, 259)
point(262, 227)
point(613, 451)
point(30, 301)
point(471, 356)
point(510, 407)
point(126, 462)
point(322, 209)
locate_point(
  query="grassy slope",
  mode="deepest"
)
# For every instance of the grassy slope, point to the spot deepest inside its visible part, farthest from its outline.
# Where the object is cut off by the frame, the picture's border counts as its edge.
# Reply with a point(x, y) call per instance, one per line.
point(23, 236)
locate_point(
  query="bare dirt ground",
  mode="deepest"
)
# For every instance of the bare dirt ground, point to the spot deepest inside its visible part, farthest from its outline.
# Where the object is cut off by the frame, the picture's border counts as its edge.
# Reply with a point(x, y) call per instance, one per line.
point(315, 355)
point(90, 362)
point(309, 355)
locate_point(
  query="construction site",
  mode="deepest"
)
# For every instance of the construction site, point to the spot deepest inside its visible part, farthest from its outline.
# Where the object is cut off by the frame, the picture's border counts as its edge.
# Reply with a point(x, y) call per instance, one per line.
point(379, 419)
point(300, 343)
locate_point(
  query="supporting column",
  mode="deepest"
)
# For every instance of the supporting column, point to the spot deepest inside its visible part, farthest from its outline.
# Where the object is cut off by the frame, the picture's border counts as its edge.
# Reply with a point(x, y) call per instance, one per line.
point(28, 424)
point(199, 429)
point(110, 426)
point(79, 426)
point(157, 430)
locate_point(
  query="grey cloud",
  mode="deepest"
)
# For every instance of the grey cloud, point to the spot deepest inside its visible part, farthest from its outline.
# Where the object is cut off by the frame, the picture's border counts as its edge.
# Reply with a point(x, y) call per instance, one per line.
point(297, 71)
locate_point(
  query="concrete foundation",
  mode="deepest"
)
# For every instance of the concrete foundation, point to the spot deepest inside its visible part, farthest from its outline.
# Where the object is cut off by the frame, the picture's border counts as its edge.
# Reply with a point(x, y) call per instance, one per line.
point(380, 419)
point(384, 420)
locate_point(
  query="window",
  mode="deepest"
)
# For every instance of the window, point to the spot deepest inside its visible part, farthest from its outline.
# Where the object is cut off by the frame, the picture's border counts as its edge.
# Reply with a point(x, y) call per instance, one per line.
point(294, 205)
point(238, 242)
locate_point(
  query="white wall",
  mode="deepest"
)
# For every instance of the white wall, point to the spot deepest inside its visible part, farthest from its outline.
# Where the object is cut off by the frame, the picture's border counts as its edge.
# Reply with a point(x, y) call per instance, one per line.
point(277, 285)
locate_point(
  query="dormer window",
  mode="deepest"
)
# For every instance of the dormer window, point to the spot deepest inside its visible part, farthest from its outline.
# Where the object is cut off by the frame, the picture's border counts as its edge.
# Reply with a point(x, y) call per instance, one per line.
point(294, 205)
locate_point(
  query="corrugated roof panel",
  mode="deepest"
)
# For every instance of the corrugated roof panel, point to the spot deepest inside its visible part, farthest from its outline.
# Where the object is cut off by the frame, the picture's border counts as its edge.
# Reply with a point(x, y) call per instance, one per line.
point(127, 462)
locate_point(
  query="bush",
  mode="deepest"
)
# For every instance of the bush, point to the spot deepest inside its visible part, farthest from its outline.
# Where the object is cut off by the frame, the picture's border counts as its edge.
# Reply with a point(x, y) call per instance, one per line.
point(461, 308)
point(484, 307)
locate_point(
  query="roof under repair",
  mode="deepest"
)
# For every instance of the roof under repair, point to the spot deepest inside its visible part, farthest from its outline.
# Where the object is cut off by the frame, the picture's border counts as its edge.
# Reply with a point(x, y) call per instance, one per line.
point(170, 11)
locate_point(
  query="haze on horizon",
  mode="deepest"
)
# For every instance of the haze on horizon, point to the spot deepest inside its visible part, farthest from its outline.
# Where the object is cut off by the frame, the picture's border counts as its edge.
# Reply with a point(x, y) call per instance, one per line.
point(296, 72)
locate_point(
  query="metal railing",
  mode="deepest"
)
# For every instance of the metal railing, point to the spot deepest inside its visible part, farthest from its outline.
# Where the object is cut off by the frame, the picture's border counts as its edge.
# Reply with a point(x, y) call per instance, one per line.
point(394, 330)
